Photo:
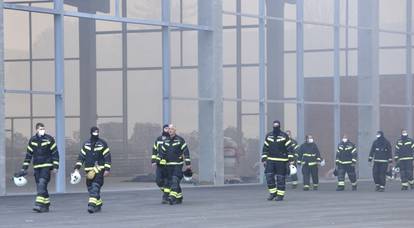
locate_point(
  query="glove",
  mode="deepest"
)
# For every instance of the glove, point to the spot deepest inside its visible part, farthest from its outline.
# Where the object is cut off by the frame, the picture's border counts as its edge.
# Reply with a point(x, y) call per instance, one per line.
point(335, 172)
point(264, 159)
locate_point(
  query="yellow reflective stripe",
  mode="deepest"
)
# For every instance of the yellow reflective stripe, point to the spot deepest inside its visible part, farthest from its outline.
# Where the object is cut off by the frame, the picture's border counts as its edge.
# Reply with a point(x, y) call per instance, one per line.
point(163, 162)
point(267, 144)
point(406, 158)
point(79, 163)
point(154, 157)
point(29, 148)
point(278, 159)
point(290, 156)
point(42, 200)
point(264, 156)
point(312, 163)
point(309, 155)
point(53, 146)
point(105, 151)
point(280, 193)
point(379, 160)
point(107, 165)
point(187, 160)
point(407, 143)
point(172, 193)
point(87, 147)
point(43, 165)
point(93, 200)
point(167, 190)
point(272, 190)
point(34, 143)
point(179, 195)
point(163, 148)
point(288, 142)
point(341, 183)
point(26, 163)
point(183, 146)
point(354, 150)
point(155, 147)
point(270, 139)
point(354, 160)
point(345, 162)
point(55, 162)
point(175, 163)
point(45, 143)
point(98, 148)
point(83, 152)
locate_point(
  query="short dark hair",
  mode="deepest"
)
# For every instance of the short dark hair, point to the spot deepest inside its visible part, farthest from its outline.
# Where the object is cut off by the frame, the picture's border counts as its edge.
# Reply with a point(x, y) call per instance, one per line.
point(39, 125)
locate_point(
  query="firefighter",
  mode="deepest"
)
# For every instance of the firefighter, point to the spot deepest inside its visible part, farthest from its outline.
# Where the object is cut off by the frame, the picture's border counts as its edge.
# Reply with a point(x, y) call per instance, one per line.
point(42, 149)
point(275, 158)
point(346, 158)
point(294, 148)
point(161, 173)
point(309, 157)
point(381, 155)
point(175, 152)
point(95, 156)
point(404, 159)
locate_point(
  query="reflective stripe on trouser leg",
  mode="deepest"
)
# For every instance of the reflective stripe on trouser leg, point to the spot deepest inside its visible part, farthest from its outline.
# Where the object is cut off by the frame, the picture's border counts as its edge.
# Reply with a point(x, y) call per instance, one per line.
point(94, 201)
point(271, 185)
point(42, 200)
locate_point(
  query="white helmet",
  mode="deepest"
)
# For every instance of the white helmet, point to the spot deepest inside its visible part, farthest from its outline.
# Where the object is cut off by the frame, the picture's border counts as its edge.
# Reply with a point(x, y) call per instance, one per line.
point(20, 181)
point(323, 163)
point(75, 177)
point(293, 169)
point(188, 175)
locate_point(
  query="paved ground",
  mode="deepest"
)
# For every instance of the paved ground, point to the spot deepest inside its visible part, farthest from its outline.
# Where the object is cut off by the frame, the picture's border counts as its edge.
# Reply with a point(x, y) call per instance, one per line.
point(235, 206)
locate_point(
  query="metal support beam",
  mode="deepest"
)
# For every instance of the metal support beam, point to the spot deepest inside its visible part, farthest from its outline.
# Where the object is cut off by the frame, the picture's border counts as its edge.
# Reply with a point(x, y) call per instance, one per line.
point(2, 108)
point(210, 86)
point(59, 98)
point(275, 60)
point(239, 118)
point(409, 78)
point(262, 82)
point(336, 79)
point(368, 79)
point(300, 81)
point(124, 79)
point(166, 63)
point(87, 71)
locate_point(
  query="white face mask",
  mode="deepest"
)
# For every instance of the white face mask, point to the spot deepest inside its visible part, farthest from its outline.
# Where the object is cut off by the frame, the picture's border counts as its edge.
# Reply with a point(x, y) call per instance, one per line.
point(310, 140)
point(344, 140)
point(41, 132)
point(95, 133)
point(378, 135)
point(404, 134)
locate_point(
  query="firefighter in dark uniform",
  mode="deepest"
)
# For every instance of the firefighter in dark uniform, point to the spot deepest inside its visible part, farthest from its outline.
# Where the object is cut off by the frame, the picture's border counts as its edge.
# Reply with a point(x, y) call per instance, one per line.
point(161, 173)
point(404, 151)
point(95, 156)
point(175, 152)
point(275, 158)
point(381, 155)
point(42, 149)
point(309, 157)
point(294, 148)
point(346, 159)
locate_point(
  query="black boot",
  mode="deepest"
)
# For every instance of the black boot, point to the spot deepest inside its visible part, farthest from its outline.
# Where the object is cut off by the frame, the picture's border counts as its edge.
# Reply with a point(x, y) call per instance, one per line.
point(381, 189)
point(91, 209)
point(306, 188)
point(411, 186)
point(279, 198)
point(404, 188)
point(315, 188)
point(172, 200)
point(340, 188)
point(271, 196)
point(377, 188)
point(179, 200)
point(165, 199)
point(40, 209)
point(354, 187)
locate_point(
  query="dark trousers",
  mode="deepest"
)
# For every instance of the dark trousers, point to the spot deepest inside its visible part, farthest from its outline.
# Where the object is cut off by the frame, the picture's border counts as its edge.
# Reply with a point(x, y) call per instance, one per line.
point(42, 178)
point(308, 172)
point(278, 169)
point(94, 189)
point(161, 178)
point(175, 175)
point(346, 169)
point(294, 179)
point(406, 172)
point(378, 172)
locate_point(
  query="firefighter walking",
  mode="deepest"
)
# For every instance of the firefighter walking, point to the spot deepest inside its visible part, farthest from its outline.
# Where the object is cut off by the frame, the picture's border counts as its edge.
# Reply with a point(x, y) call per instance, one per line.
point(175, 152)
point(381, 156)
point(275, 158)
point(309, 157)
point(161, 173)
point(42, 151)
point(404, 159)
point(346, 159)
point(95, 156)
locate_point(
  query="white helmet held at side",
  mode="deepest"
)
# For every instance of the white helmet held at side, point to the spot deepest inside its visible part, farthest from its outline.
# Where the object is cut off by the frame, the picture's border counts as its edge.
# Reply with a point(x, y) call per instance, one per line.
point(20, 181)
point(293, 169)
point(323, 163)
point(75, 177)
point(188, 175)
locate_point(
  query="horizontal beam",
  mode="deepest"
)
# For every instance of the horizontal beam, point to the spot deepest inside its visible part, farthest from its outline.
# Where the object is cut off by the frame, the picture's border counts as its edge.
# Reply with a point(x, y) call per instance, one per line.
point(17, 91)
point(105, 17)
